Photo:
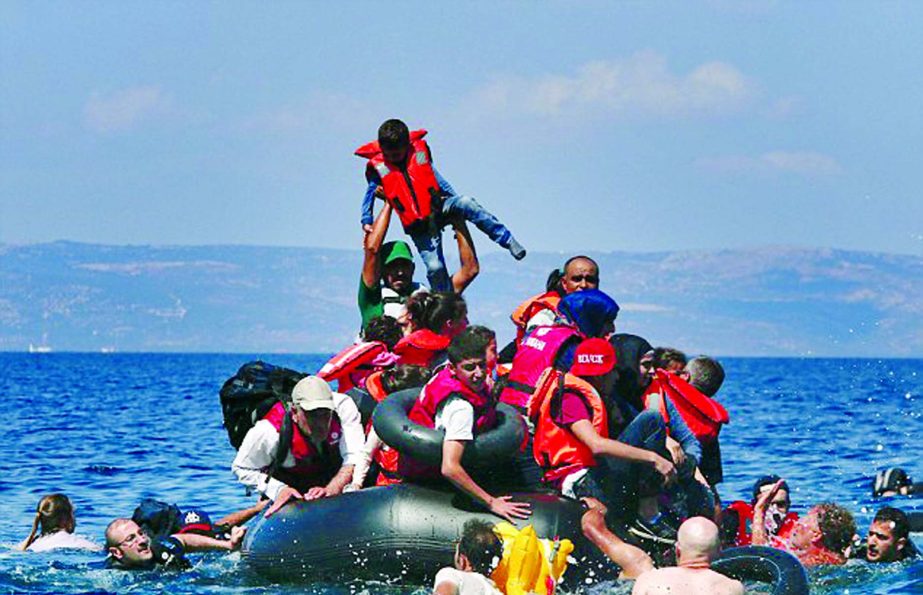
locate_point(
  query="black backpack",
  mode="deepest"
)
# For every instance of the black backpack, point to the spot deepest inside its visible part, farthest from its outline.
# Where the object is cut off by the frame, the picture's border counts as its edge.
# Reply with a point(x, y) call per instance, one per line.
point(158, 519)
point(248, 396)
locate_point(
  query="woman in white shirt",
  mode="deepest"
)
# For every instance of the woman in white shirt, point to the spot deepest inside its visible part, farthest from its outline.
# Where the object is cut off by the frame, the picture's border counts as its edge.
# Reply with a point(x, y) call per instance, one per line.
point(55, 515)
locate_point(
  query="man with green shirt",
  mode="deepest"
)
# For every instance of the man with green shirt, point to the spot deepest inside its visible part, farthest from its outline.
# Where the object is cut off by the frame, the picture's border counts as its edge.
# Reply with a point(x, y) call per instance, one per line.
point(387, 270)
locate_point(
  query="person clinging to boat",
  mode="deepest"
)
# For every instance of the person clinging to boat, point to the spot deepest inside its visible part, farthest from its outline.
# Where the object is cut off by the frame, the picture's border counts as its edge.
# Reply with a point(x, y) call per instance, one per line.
point(457, 400)
point(322, 436)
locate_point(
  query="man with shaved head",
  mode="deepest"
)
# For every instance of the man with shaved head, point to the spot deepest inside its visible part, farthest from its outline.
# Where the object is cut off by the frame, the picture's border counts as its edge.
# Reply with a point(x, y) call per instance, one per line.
point(697, 544)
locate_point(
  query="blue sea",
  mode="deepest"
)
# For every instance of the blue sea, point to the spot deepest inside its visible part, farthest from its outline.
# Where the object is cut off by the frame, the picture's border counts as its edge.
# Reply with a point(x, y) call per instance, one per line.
point(110, 429)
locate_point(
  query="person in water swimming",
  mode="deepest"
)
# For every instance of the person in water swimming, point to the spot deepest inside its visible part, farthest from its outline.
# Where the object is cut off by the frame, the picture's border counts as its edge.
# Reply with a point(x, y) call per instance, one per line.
point(54, 514)
point(888, 538)
point(400, 163)
point(894, 482)
point(326, 438)
point(476, 555)
point(458, 401)
point(697, 546)
point(130, 548)
point(820, 537)
point(737, 518)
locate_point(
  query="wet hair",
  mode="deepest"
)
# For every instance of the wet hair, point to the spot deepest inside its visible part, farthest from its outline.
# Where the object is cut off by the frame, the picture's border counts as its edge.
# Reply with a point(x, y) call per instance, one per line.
point(404, 376)
point(664, 356)
point(706, 374)
point(483, 331)
point(900, 524)
point(469, 343)
point(53, 513)
point(767, 480)
point(837, 526)
point(480, 545)
point(393, 134)
point(433, 310)
point(385, 329)
point(553, 283)
point(890, 480)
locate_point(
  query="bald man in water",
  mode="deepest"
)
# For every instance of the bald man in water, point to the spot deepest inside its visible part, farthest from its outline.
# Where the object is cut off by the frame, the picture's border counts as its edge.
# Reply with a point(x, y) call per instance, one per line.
point(697, 544)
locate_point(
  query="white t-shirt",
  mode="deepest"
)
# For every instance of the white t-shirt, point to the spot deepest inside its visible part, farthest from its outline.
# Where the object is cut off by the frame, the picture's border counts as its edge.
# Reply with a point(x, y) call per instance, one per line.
point(467, 583)
point(62, 539)
point(456, 417)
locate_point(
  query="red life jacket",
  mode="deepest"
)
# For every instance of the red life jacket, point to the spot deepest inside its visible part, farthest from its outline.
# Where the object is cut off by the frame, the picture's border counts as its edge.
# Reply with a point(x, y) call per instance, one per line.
point(702, 414)
point(529, 308)
point(744, 513)
point(386, 457)
point(421, 347)
point(556, 450)
point(534, 356)
point(409, 187)
point(437, 391)
point(358, 356)
point(313, 466)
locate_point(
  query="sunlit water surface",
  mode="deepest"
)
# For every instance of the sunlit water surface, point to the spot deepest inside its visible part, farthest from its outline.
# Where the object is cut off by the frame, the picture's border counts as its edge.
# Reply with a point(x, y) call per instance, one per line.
point(109, 429)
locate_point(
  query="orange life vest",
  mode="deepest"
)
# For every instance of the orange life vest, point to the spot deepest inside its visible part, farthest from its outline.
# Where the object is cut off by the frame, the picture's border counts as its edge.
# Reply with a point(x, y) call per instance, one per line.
point(353, 358)
point(410, 188)
point(529, 308)
point(421, 347)
point(556, 450)
point(702, 414)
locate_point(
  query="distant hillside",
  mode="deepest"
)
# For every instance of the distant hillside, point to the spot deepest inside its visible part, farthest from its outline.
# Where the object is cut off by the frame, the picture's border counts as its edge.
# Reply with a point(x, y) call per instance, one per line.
point(772, 301)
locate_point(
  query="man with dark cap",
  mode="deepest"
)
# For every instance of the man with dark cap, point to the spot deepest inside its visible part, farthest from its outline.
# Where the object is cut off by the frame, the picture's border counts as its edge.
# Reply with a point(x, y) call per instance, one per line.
point(387, 270)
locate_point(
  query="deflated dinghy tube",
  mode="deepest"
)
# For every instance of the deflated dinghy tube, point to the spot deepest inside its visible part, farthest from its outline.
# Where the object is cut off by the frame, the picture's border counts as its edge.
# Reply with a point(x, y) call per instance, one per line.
point(764, 564)
point(402, 533)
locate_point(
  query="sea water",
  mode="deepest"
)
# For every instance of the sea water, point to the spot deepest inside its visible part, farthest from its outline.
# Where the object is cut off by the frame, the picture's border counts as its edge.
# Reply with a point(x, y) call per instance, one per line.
point(110, 429)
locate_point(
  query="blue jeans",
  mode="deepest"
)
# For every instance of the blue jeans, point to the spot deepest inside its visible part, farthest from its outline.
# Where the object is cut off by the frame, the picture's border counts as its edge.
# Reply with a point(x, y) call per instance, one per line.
point(429, 241)
point(614, 481)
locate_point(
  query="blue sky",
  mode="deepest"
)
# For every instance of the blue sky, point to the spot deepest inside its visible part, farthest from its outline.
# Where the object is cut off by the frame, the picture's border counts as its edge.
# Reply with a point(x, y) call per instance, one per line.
point(583, 125)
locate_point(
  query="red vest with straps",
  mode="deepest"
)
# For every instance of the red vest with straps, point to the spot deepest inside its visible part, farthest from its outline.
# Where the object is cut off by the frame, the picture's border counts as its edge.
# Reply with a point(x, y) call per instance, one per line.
point(409, 187)
point(386, 457)
point(421, 347)
point(537, 353)
point(437, 391)
point(314, 466)
point(702, 414)
point(555, 448)
point(529, 308)
point(355, 358)
point(744, 514)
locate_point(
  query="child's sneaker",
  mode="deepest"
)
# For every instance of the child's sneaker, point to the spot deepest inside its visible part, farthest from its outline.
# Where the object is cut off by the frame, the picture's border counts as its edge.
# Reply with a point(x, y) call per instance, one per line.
point(516, 249)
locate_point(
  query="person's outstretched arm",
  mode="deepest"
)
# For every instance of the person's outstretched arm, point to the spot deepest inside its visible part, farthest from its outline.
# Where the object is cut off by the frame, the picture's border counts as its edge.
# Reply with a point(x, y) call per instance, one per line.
point(371, 244)
point(467, 256)
point(599, 446)
point(193, 542)
point(502, 506)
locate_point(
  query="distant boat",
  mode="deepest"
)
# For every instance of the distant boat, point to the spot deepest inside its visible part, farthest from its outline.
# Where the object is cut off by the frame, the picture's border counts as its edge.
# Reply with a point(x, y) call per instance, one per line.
point(107, 349)
point(39, 348)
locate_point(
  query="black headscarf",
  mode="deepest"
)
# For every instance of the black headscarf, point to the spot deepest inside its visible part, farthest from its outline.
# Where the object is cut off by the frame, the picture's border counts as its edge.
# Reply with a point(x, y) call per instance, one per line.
point(628, 352)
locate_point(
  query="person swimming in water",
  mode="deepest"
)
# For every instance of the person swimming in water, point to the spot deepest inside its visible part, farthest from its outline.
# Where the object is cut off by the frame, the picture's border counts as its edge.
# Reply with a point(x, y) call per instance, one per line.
point(54, 514)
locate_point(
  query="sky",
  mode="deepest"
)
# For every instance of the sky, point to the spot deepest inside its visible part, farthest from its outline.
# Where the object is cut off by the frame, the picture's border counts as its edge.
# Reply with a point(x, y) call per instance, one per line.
point(585, 126)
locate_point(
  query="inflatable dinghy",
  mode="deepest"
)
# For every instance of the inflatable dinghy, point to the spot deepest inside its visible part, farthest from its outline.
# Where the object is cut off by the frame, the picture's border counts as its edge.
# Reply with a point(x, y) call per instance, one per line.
point(406, 533)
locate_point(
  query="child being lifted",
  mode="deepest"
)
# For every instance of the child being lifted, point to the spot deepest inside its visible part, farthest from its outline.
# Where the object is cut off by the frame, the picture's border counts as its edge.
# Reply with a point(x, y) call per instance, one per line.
point(400, 170)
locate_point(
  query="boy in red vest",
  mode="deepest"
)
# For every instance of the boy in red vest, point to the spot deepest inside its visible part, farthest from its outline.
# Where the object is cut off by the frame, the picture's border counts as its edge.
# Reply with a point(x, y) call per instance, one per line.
point(400, 168)
point(457, 400)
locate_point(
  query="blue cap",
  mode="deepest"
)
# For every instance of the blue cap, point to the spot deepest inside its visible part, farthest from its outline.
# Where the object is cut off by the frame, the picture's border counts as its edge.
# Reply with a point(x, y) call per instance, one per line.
point(591, 310)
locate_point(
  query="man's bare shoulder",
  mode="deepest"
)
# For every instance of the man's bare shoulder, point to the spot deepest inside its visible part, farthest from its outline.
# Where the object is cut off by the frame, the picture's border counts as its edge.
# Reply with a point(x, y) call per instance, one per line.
point(686, 581)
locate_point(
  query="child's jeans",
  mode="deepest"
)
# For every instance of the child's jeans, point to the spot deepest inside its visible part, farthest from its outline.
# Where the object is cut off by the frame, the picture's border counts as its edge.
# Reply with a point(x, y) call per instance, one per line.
point(429, 241)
